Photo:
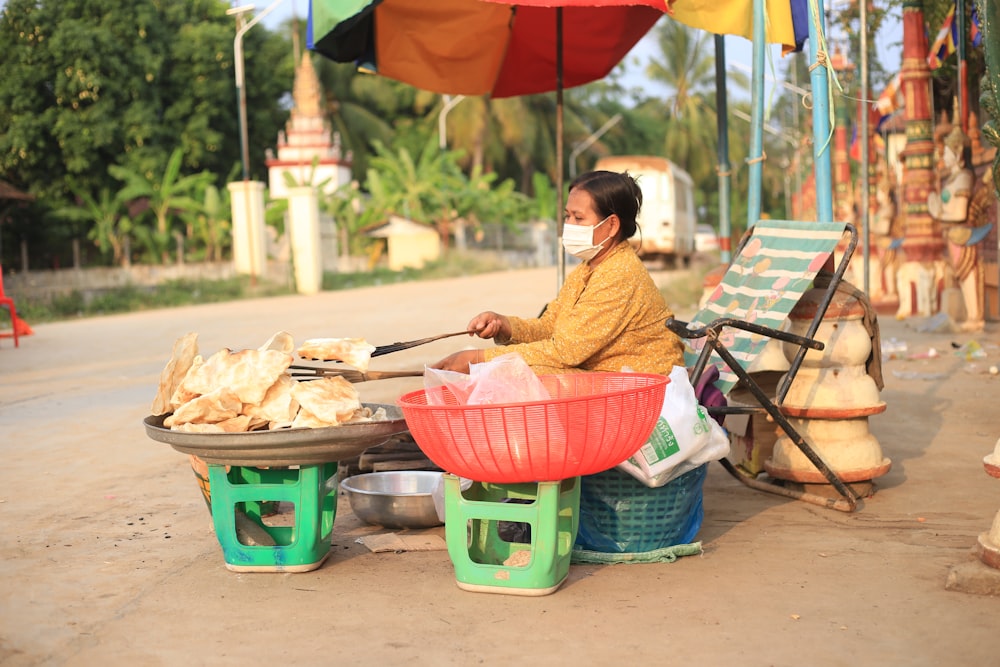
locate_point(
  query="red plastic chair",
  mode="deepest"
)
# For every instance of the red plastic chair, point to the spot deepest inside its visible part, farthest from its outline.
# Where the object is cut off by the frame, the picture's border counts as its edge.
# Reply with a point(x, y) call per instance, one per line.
point(6, 301)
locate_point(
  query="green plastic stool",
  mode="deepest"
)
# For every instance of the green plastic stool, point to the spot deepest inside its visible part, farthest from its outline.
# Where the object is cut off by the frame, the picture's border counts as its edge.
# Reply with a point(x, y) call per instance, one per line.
point(298, 548)
point(486, 563)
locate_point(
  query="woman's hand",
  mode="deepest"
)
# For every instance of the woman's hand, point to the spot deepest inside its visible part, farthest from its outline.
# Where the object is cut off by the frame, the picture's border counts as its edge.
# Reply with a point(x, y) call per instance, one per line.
point(490, 325)
point(459, 361)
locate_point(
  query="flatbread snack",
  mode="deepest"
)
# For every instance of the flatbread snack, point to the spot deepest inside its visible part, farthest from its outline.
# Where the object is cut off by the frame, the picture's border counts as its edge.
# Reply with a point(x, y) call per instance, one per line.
point(210, 408)
point(181, 357)
point(278, 407)
point(356, 352)
point(281, 341)
point(182, 395)
point(236, 392)
point(248, 373)
point(237, 424)
point(331, 400)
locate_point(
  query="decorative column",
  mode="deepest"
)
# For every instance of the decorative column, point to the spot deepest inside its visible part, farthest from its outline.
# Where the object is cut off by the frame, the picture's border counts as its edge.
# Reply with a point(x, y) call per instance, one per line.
point(881, 212)
point(249, 240)
point(303, 230)
point(919, 276)
point(842, 199)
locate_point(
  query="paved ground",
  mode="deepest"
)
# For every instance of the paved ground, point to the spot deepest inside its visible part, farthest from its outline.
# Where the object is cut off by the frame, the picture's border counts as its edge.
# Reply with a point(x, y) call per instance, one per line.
point(110, 559)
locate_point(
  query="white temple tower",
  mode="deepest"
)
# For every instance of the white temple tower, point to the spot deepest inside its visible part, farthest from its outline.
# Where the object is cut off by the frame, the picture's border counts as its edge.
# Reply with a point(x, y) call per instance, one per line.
point(309, 154)
point(307, 141)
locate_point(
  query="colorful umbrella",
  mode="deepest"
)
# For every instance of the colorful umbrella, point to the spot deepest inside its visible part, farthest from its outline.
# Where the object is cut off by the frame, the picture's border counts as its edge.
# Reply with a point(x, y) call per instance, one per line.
point(508, 47)
point(471, 47)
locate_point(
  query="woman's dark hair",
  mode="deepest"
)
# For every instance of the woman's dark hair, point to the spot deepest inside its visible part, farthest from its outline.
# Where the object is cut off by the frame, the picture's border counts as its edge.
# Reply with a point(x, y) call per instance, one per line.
point(613, 192)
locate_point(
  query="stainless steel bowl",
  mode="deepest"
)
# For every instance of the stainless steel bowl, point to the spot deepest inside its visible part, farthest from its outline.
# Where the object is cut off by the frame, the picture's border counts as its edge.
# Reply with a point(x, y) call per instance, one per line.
point(395, 498)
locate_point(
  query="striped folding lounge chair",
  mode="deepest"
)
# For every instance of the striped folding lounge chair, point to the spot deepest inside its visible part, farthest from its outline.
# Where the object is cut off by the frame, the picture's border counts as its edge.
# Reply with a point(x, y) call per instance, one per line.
point(773, 266)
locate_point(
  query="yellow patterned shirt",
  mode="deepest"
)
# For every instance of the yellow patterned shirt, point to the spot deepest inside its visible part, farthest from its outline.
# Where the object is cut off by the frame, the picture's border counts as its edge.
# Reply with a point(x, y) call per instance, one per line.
point(607, 318)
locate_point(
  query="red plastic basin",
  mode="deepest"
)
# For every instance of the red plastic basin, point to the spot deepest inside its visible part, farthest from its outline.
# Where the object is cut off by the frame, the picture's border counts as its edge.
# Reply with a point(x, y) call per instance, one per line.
point(593, 422)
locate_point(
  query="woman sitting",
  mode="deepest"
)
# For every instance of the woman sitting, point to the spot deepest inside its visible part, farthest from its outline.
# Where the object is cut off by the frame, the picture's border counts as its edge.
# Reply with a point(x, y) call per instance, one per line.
point(608, 315)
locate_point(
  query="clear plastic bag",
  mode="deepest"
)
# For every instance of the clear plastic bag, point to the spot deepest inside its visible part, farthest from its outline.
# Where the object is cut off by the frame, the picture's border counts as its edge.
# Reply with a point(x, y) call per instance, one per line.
point(506, 379)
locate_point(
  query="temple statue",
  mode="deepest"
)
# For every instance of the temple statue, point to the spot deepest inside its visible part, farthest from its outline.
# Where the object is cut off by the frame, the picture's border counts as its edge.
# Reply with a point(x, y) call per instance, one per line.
point(961, 208)
point(951, 203)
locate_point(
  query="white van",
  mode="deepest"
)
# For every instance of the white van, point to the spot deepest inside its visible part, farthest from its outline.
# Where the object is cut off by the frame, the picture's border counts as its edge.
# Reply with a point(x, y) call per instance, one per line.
point(667, 219)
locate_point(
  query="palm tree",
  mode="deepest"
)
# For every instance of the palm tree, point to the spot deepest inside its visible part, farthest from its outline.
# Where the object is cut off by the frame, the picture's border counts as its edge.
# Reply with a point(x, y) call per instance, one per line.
point(511, 137)
point(687, 69)
point(172, 195)
point(360, 108)
point(111, 224)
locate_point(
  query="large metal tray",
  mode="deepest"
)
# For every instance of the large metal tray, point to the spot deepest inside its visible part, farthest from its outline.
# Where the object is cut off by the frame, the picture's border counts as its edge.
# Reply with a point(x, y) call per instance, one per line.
point(282, 447)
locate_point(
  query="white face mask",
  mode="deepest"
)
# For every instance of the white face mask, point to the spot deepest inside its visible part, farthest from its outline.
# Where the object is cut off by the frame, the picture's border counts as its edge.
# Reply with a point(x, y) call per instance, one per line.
point(578, 240)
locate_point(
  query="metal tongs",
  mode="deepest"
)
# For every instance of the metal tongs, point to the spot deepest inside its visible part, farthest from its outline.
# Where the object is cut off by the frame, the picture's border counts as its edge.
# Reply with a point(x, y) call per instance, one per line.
point(396, 347)
point(303, 373)
point(314, 373)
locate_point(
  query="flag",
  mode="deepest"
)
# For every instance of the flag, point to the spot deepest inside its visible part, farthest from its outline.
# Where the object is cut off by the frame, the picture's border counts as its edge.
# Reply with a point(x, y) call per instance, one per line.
point(975, 30)
point(889, 102)
point(800, 22)
point(945, 42)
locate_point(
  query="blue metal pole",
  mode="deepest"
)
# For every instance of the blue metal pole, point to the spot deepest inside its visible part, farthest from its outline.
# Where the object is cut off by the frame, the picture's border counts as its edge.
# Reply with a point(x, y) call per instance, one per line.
point(756, 155)
point(822, 139)
point(725, 171)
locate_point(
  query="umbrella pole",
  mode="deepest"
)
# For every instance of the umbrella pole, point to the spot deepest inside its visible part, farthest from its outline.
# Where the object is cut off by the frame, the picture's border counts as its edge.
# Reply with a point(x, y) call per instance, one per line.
point(560, 205)
point(820, 112)
point(756, 157)
point(722, 124)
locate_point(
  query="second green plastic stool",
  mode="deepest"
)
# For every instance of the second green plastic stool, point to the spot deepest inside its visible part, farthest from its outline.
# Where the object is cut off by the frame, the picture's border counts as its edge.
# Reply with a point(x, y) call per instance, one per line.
point(486, 563)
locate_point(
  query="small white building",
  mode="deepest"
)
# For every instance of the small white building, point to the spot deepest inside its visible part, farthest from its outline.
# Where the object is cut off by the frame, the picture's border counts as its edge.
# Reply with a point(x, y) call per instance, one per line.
point(410, 244)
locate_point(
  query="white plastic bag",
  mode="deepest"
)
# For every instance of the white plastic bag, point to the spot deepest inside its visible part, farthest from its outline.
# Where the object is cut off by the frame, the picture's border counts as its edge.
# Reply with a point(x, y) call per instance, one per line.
point(685, 437)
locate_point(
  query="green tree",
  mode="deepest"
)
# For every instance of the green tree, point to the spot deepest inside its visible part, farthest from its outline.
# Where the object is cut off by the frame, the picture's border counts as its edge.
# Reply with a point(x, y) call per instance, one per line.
point(352, 212)
point(167, 199)
point(687, 69)
point(417, 189)
point(110, 222)
point(362, 109)
point(85, 84)
point(209, 229)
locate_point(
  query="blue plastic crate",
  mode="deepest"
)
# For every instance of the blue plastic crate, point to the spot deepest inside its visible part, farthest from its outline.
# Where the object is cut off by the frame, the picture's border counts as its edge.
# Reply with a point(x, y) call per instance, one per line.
point(619, 514)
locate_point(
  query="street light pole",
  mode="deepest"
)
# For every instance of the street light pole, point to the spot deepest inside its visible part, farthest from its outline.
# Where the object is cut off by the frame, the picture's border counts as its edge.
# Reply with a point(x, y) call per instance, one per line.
point(242, 28)
point(449, 104)
point(865, 143)
point(241, 96)
point(588, 142)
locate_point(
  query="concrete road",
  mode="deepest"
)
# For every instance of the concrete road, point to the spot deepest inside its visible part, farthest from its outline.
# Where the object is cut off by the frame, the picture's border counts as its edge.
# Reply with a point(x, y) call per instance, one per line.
point(110, 558)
